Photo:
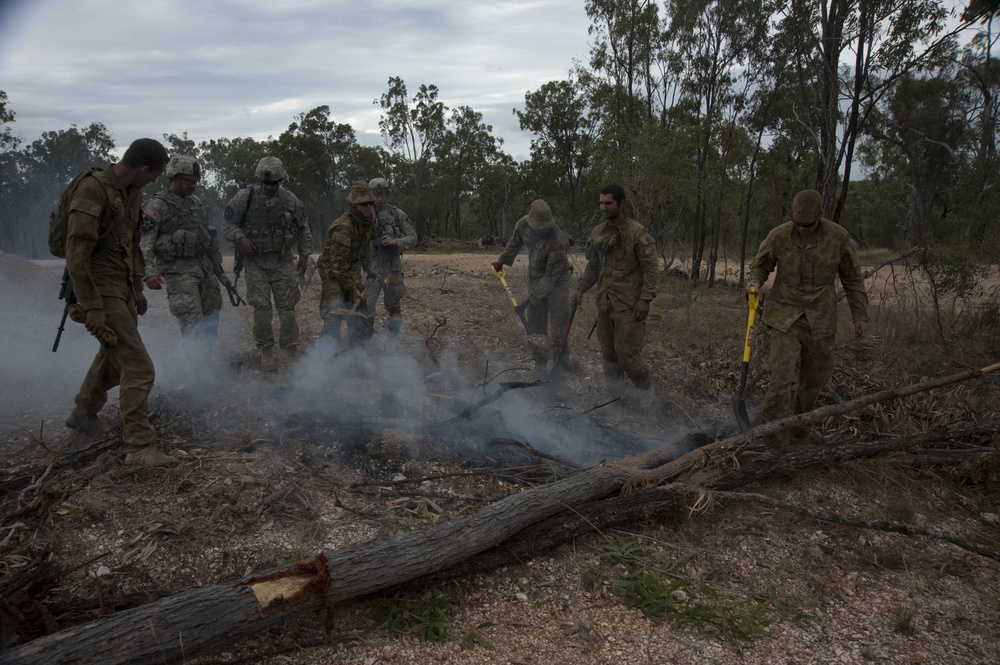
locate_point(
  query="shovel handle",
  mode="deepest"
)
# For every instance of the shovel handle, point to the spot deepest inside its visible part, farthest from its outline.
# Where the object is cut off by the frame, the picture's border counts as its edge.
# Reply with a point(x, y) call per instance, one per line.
point(510, 294)
point(752, 300)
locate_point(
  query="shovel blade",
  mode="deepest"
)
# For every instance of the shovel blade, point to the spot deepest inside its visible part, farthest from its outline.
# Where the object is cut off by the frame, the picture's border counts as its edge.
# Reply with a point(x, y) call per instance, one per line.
point(742, 417)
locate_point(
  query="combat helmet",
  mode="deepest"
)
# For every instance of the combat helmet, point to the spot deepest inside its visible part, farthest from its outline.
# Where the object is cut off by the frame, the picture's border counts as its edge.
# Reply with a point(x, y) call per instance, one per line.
point(379, 185)
point(271, 169)
point(183, 164)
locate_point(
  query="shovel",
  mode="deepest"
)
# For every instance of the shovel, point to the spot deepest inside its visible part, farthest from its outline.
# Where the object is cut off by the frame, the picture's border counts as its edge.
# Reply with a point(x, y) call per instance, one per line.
point(560, 353)
point(510, 294)
point(742, 417)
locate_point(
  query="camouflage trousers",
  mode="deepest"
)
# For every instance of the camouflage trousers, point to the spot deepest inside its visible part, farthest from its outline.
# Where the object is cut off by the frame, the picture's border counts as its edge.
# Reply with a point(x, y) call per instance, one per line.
point(621, 338)
point(392, 289)
point(195, 301)
point(815, 360)
point(336, 308)
point(126, 364)
point(282, 282)
point(549, 317)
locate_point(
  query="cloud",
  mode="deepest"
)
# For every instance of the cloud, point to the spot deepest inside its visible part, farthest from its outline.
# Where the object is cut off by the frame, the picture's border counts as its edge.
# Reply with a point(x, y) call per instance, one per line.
point(242, 68)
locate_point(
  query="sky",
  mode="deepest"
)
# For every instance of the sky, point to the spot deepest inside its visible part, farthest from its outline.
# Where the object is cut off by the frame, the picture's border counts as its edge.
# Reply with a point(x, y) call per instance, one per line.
point(245, 68)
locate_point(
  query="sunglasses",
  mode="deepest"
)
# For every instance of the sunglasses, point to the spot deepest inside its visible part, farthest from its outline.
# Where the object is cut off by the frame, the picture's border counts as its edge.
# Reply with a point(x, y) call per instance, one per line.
point(367, 203)
point(270, 183)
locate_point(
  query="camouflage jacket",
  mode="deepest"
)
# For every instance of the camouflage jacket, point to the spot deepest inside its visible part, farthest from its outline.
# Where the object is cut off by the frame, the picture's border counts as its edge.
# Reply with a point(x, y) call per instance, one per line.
point(548, 263)
point(348, 243)
point(806, 280)
point(102, 243)
point(622, 262)
point(176, 237)
point(396, 224)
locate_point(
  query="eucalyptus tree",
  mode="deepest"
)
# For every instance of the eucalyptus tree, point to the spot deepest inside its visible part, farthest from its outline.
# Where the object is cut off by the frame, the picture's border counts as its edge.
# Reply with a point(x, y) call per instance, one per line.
point(40, 172)
point(846, 54)
point(981, 72)
point(465, 149)
point(412, 128)
point(714, 43)
point(921, 135)
point(624, 60)
point(559, 116)
point(317, 152)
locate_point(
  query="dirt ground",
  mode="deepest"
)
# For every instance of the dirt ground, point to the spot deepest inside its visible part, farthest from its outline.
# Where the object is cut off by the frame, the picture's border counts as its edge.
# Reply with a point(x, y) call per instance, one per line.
point(334, 450)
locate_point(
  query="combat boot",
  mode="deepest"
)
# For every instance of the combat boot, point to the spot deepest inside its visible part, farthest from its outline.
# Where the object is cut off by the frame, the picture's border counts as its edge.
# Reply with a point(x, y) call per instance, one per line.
point(148, 456)
point(83, 423)
point(268, 363)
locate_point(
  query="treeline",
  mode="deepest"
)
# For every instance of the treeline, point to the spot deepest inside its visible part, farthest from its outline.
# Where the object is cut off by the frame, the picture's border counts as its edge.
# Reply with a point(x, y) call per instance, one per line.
point(710, 113)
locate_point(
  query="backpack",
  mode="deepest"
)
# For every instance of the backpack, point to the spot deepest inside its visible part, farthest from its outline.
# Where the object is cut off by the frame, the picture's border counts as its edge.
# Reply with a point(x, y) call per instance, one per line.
point(59, 219)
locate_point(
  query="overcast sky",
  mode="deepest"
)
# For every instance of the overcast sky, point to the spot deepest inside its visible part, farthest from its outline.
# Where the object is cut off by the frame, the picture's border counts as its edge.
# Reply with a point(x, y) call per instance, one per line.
point(237, 68)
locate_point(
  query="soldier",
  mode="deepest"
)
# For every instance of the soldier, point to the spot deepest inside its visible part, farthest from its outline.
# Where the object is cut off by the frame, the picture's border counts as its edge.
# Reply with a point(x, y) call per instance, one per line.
point(548, 274)
point(182, 251)
point(394, 234)
point(348, 243)
point(622, 262)
point(268, 223)
point(809, 252)
point(106, 267)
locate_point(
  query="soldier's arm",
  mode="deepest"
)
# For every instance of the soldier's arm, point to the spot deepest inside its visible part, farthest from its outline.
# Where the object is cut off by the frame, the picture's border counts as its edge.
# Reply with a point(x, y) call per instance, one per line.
point(763, 263)
point(514, 245)
point(409, 238)
point(231, 217)
point(591, 272)
point(853, 282)
point(305, 231)
point(337, 253)
point(151, 216)
point(650, 264)
point(82, 234)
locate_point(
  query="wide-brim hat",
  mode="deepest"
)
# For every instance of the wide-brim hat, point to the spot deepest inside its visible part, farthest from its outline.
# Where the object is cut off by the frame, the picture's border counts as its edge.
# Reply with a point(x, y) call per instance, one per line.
point(360, 193)
point(540, 216)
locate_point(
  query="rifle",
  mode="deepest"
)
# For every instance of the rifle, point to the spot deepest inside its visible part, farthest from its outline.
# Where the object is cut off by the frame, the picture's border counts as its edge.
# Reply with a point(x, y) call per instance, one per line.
point(65, 293)
point(237, 252)
point(220, 274)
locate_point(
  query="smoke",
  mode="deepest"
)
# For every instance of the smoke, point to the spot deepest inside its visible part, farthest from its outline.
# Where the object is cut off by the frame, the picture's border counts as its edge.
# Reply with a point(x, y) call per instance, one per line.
point(327, 395)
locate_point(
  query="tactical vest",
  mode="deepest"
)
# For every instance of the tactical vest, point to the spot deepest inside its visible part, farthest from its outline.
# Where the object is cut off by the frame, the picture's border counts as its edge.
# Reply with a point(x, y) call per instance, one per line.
point(185, 233)
point(272, 229)
point(388, 222)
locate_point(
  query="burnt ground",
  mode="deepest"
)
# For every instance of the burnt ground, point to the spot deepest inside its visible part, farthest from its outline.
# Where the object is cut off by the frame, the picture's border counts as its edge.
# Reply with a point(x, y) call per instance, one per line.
point(334, 450)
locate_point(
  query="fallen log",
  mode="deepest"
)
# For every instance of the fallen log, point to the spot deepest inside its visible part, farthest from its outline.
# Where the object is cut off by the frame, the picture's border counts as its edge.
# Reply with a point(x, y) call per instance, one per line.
point(196, 622)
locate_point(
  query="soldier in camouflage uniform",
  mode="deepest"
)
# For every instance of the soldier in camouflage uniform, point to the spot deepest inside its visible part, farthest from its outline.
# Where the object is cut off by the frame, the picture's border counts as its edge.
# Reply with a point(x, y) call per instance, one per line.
point(348, 244)
point(622, 262)
point(182, 251)
point(547, 302)
point(106, 268)
point(394, 234)
point(273, 227)
point(809, 253)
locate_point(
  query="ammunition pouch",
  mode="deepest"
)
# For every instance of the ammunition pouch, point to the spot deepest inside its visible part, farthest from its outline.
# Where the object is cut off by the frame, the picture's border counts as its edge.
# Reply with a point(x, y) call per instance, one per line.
point(272, 239)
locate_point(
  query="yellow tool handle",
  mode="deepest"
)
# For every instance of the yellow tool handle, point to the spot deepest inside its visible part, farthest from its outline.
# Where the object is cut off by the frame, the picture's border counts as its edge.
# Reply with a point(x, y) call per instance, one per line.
point(752, 301)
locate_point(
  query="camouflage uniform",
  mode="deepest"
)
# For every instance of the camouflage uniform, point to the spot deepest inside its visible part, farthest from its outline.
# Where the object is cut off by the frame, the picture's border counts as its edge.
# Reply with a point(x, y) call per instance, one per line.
point(106, 267)
point(548, 277)
point(802, 312)
point(178, 244)
point(348, 244)
point(622, 262)
point(276, 225)
point(389, 264)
